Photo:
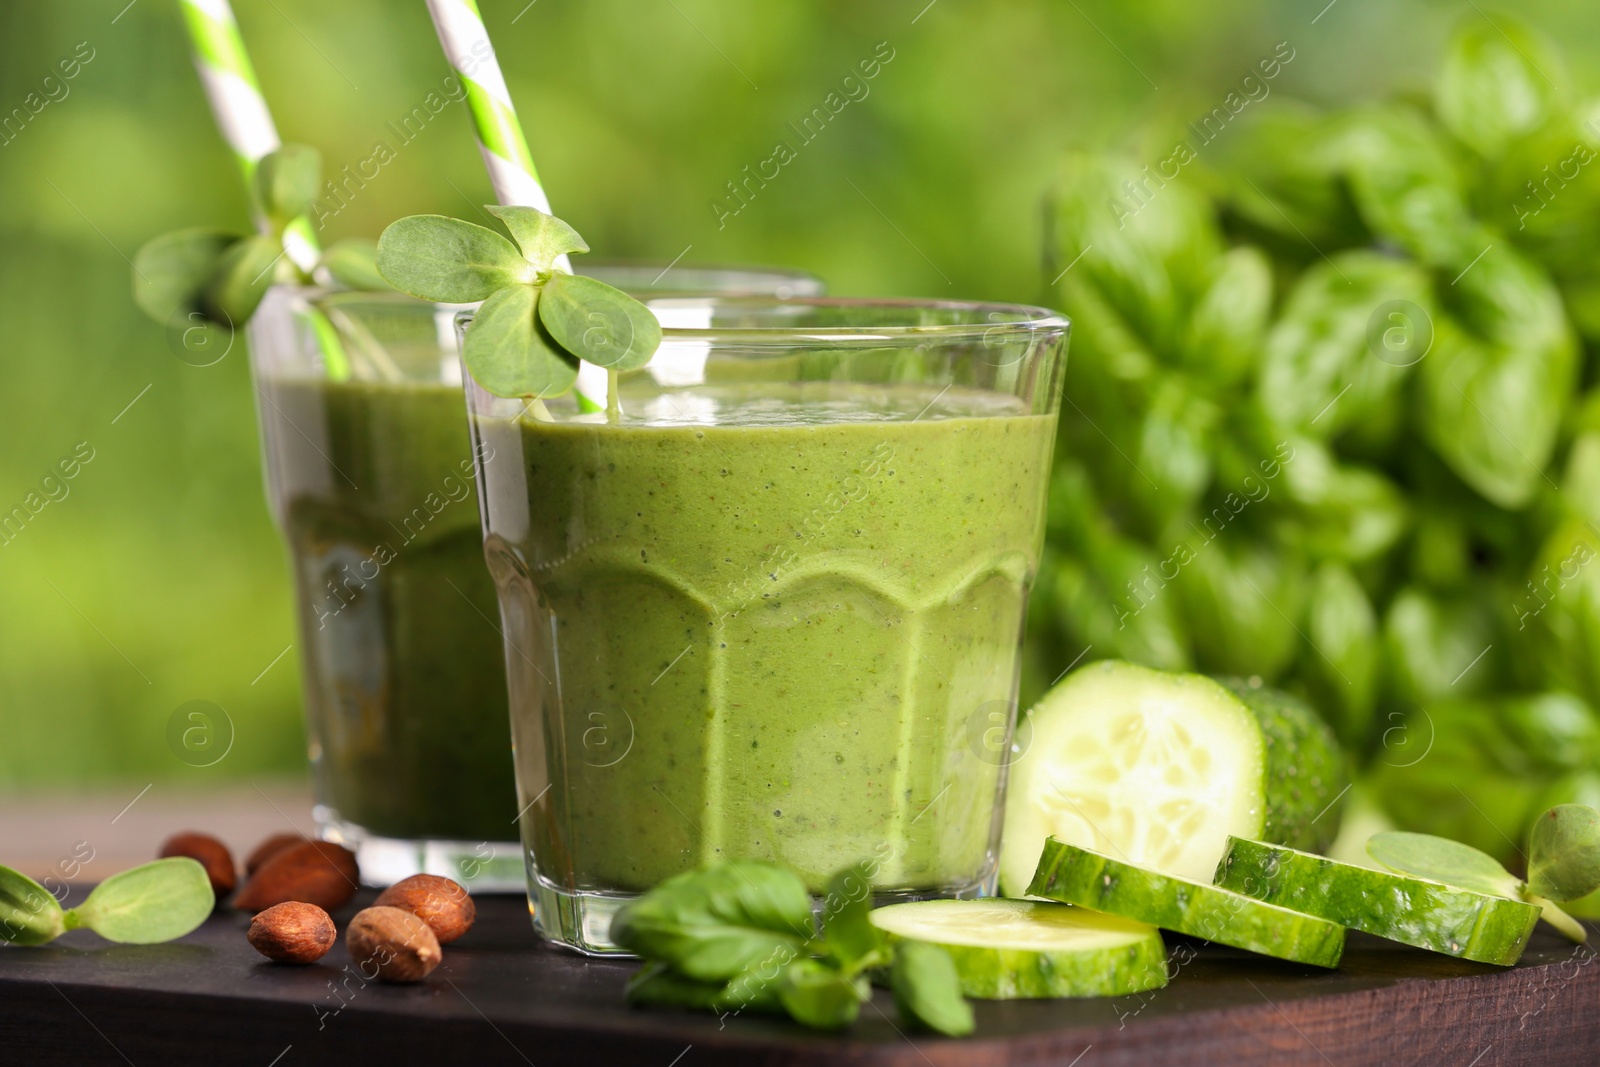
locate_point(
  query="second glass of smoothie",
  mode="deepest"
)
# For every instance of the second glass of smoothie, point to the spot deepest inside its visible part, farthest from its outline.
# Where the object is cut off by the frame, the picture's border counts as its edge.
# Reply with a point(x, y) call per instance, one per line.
point(371, 479)
point(768, 611)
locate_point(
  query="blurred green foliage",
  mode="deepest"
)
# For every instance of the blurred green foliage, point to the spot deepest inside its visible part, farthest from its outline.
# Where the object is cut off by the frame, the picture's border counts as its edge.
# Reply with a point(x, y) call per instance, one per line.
point(156, 577)
point(1334, 392)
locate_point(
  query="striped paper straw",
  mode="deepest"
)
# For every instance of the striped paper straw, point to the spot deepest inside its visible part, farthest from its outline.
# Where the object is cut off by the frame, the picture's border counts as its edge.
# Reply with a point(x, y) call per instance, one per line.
point(505, 153)
point(505, 150)
point(240, 110)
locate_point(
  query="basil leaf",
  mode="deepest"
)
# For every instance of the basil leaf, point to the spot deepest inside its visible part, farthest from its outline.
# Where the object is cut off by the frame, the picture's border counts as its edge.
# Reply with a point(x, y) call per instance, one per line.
point(658, 983)
point(1580, 484)
point(1481, 771)
point(927, 988)
point(154, 902)
point(1406, 186)
point(1548, 733)
point(820, 996)
point(1501, 375)
point(541, 237)
point(287, 180)
point(1429, 644)
point(1174, 449)
point(1236, 600)
point(1286, 184)
point(508, 352)
point(1319, 373)
point(1558, 608)
point(244, 274)
point(353, 263)
point(1098, 601)
point(445, 259)
point(1564, 853)
point(720, 922)
point(1147, 259)
point(1339, 510)
point(851, 938)
point(172, 272)
point(1492, 85)
point(1494, 413)
point(29, 915)
point(598, 323)
point(1223, 338)
point(1443, 860)
point(1342, 662)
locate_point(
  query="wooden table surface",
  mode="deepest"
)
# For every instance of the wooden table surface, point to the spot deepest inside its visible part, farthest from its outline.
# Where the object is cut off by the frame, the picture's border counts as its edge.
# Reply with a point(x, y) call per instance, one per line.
point(501, 997)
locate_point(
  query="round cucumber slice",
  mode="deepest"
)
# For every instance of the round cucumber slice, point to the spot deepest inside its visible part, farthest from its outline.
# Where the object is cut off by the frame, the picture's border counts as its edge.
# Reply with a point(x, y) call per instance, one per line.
point(1076, 875)
point(1016, 949)
point(1414, 911)
point(1305, 772)
point(1161, 768)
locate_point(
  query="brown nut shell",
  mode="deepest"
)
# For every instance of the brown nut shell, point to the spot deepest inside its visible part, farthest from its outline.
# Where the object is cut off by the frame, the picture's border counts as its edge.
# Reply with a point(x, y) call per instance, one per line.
point(440, 902)
point(267, 849)
point(210, 853)
point(293, 932)
point(313, 872)
point(391, 945)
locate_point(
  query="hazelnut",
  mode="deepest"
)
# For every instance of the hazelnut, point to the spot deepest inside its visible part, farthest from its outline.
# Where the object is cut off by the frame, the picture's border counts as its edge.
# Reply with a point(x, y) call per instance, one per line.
point(210, 853)
point(440, 902)
point(293, 932)
point(267, 849)
point(392, 945)
point(313, 872)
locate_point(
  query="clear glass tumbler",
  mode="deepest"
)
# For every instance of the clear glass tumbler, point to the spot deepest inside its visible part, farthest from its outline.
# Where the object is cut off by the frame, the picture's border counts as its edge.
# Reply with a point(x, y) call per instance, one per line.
point(770, 611)
point(370, 477)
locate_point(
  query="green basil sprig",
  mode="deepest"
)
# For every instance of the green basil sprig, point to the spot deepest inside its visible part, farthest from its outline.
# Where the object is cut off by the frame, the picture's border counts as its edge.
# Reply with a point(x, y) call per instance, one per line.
point(1563, 863)
point(739, 935)
point(536, 321)
point(222, 276)
point(155, 902)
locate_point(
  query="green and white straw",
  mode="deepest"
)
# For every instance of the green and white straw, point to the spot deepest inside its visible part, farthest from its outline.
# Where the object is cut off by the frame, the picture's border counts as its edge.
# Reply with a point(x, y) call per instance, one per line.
point(505, 153)
point(240, 109)
point(505, 150)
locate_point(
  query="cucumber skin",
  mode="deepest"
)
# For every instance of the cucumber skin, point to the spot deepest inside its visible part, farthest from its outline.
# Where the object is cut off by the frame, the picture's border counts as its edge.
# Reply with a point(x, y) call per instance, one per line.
point(1023, 974)
point(1074, 875)
point(1305, 775)
point(1456, 922)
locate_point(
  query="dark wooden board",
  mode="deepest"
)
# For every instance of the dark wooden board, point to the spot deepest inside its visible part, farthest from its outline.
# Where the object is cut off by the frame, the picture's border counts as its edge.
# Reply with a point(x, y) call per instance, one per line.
point(502, 997)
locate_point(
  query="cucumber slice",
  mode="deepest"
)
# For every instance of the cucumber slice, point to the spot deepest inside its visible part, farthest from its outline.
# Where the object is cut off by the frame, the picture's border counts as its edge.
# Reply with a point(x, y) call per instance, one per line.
point(1414, 911)
point(1076, 875)
point(1016, 949)
point(1305, 772)
point(1161, 768)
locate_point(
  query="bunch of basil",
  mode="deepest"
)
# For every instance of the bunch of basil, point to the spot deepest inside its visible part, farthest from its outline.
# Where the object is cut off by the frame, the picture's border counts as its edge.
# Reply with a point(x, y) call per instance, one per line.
point(1331, 420)
point(739, 935)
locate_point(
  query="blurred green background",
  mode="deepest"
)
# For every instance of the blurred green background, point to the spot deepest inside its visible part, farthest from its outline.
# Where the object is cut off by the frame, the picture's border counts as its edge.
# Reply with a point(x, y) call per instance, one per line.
point(157, 578)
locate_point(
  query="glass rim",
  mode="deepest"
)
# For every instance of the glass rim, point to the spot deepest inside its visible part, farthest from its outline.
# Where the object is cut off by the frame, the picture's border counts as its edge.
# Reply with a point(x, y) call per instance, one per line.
point(1020, 322)
point(1026, 322)
point(626, 263)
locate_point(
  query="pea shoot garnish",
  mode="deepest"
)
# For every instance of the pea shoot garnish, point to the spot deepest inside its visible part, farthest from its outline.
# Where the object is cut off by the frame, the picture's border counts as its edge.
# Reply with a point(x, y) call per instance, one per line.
point(221, 276)
point(537, 321)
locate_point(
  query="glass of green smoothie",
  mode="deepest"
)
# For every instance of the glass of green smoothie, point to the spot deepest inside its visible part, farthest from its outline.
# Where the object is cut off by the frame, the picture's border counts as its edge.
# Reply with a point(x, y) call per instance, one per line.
point(769, 609)
point(370, 476)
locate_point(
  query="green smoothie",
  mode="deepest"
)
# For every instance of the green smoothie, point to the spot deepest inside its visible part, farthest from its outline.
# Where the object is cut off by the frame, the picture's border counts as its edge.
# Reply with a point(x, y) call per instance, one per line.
point(762, 621)
point(373, 483)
